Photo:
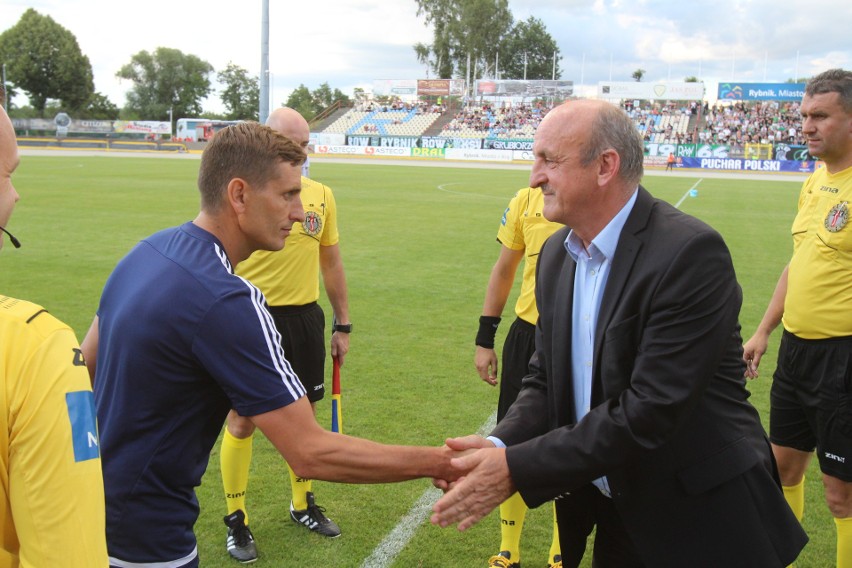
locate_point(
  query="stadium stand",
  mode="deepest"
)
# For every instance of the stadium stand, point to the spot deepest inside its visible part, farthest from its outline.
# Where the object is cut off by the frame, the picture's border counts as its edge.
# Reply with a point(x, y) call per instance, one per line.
point(749, 129)
point(489, 121)
point(393, 119)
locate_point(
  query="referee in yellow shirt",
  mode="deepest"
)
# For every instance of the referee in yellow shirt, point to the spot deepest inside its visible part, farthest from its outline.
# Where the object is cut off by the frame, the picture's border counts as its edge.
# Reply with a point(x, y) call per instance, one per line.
point(51, 487)
point(523, 230)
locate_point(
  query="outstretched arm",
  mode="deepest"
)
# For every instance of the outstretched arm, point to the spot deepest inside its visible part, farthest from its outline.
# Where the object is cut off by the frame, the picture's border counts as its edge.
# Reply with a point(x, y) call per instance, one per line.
point(316, 453)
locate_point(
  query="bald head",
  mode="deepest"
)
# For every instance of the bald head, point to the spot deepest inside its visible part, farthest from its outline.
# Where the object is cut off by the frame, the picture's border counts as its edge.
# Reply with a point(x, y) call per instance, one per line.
point(598, 125)
point(291, 124)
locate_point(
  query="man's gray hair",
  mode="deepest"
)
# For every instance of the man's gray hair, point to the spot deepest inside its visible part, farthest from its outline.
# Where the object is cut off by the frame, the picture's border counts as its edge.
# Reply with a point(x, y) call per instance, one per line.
point(612, 128)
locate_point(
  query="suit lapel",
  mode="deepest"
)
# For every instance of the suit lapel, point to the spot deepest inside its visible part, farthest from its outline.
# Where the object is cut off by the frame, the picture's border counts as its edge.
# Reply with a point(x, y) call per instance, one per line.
point(626, 253)
point(563, 391)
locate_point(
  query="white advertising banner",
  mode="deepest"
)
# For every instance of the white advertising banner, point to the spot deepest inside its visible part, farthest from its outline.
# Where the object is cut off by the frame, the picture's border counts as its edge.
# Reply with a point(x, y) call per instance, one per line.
point(482, 155)
point(666, 90)
point(328, 138)
point(391, 87)
point(392, 151)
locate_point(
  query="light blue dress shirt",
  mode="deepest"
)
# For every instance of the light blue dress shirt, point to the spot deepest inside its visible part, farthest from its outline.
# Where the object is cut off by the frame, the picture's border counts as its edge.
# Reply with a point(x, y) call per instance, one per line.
point(593, 265)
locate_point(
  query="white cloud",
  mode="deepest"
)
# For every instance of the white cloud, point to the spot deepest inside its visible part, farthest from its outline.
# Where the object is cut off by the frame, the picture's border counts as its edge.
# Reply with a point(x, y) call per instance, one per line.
point(350, 44)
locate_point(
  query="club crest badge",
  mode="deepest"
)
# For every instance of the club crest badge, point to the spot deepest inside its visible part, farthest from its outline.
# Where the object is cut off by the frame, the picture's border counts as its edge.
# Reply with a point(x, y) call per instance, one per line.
point(837, 217)
point(312, 223)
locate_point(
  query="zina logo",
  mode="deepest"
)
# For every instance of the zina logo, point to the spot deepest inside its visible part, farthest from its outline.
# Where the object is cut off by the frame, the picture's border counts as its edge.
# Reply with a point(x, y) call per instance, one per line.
point(835, 457)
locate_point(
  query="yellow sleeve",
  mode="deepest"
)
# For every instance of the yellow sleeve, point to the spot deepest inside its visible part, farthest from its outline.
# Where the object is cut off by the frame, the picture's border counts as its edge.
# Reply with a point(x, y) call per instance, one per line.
point(330, 235)
point(56, 495)
point(511, 232)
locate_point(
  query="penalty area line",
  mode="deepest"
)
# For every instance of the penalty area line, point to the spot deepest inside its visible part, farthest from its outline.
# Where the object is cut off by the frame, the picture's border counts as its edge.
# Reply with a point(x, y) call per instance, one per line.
point(396, 540)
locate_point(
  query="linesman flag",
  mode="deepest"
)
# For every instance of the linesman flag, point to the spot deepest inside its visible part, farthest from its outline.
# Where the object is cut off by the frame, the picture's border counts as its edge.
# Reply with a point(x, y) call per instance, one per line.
point(336, 409)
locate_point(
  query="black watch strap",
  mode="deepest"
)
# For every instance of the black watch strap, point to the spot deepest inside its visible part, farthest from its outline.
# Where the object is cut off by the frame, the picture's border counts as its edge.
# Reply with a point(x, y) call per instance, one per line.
point(342, 327)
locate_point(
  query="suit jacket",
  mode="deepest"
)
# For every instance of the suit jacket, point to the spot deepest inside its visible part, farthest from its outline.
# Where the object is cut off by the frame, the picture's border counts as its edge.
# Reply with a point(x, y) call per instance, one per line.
point(687, 460)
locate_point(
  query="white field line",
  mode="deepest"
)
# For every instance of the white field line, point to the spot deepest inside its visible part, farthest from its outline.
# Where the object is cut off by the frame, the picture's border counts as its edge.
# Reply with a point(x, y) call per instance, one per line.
point(685, 195)
point(387, 550)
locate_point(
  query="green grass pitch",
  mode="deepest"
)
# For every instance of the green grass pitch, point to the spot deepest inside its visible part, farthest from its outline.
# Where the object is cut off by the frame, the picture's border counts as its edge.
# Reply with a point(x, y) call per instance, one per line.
point(418, 244)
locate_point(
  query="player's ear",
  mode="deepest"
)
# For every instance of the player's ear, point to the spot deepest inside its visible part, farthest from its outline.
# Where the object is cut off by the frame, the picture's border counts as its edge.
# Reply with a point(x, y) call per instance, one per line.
point(237, 192)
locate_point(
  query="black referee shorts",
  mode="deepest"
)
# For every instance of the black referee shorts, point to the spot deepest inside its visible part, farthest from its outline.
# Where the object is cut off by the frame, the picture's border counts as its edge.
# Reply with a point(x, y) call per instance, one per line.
point(517, 351)
point(302, 330)
point(811, 401)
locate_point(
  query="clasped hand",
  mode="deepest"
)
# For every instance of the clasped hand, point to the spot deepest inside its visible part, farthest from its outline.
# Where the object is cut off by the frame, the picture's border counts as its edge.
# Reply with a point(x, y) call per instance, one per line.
point(484, 484)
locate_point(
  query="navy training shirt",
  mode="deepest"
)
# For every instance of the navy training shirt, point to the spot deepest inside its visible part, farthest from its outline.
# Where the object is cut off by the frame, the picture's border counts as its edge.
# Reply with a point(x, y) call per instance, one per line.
point(181, 341)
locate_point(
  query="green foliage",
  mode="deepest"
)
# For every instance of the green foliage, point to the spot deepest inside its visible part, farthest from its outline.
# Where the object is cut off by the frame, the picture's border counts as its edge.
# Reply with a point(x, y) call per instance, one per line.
point(166, 78)
point(463, 28)
point(529, 39)
point(638, 74)
point(690, 79)
point(311, 103)
point(301, 100)
point(99, 107)
point(241, 95)
point(415, 295)
point(44, 60)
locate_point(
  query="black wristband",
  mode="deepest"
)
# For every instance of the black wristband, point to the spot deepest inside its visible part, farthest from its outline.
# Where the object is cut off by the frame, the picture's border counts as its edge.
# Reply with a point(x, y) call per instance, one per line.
point(487, 331)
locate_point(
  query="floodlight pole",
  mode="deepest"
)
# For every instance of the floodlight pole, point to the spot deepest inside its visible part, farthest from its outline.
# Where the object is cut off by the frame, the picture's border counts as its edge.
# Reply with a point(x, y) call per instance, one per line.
point(263, 111)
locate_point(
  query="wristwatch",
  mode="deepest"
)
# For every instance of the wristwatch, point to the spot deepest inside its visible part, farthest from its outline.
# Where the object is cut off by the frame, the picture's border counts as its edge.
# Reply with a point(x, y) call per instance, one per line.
point(342, 327)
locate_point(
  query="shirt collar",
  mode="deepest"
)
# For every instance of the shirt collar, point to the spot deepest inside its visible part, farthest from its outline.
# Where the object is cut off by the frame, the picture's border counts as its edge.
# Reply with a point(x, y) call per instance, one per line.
point(607, 240)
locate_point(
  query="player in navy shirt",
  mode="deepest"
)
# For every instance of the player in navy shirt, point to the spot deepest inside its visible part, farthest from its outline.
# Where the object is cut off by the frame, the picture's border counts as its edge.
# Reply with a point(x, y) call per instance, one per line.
point(179, 340)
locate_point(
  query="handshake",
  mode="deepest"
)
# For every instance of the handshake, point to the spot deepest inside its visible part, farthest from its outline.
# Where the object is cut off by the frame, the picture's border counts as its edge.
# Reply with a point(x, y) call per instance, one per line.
point(481, 482)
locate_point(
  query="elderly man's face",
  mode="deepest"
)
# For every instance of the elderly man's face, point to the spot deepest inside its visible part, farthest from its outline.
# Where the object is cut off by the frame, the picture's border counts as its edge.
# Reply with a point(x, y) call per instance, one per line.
point(566, 184)
point(8, 163)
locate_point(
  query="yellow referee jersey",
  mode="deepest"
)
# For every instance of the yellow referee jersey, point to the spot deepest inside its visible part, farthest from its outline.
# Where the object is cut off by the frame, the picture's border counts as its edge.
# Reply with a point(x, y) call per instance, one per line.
point(819, 280)
point(290, 276)
point(52, 512)
point(523, 227)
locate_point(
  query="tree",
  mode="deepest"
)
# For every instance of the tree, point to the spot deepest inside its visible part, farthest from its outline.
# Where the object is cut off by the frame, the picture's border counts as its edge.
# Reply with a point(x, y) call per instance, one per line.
point(44, 60)
point(241, 95)
point(638, 74)
point(300, 99)
point(528, 41)
point(309, 104)
point(163, 80)
point(690, 79)
point(99, 107)
point(463, 30)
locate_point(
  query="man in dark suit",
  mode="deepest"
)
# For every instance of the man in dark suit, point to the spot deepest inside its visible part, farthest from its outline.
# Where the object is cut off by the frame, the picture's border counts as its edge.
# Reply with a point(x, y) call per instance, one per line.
point(635, 410)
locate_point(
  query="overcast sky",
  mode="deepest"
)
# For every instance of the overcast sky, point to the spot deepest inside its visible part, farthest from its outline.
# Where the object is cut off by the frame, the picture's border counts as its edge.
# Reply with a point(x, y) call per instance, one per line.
point(350, 43)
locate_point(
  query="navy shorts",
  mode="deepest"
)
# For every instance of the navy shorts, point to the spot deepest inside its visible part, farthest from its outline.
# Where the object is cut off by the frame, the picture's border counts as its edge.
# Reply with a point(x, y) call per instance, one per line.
point(811, 401)
point(517, 351)
point(302, 330)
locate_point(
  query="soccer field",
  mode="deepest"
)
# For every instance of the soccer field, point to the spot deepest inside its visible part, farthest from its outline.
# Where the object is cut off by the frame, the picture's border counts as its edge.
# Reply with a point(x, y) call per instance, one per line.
point(418, 244)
